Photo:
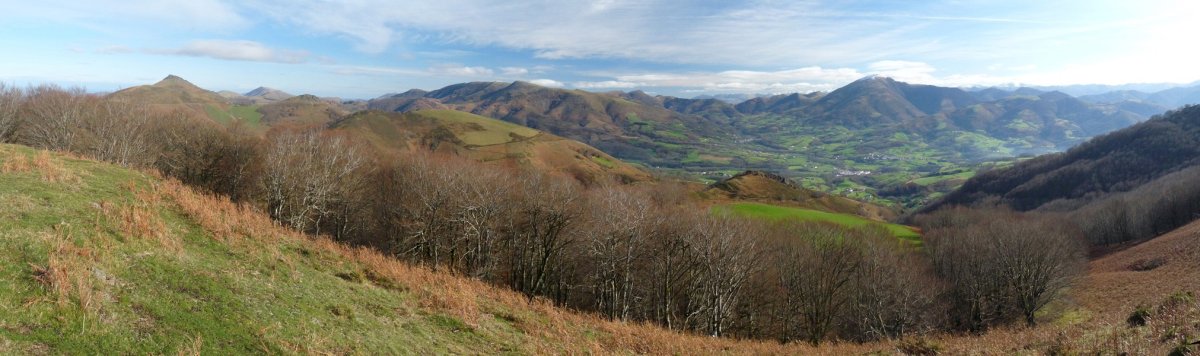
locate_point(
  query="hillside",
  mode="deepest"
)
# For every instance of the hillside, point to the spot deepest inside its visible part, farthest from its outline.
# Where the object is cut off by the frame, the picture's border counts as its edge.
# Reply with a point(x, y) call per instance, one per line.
point(129, 263)
point(175, 93)
point(172, 90)
point(775, 189)
point(106, 260)
point(488, 140)
point(629, 129)
point(301, 110)
point(1115, 162)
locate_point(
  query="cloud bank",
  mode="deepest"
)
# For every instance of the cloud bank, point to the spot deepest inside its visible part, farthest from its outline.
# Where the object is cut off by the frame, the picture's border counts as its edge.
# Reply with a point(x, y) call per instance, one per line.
point(237, 50)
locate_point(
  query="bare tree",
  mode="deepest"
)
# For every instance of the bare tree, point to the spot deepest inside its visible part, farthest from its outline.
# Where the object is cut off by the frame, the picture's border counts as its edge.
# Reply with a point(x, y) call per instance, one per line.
point(728, 255)
point(894, 292)
point(119, 132)
point(1004, 266)
point(539, 235)
point(615, 240)
point(673, 269)
point(11, 99)
point(480, 215)
point(817, 271)
point(307, 176)
point(53, 117)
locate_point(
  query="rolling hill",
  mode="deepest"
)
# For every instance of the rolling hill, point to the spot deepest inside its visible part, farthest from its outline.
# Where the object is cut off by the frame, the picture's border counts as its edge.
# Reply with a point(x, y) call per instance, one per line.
point(172, 90)
point(625, 128)
point(766, 187)
point(303, 110)
point(488, 140)
point(1115, 162)
point(175, 93)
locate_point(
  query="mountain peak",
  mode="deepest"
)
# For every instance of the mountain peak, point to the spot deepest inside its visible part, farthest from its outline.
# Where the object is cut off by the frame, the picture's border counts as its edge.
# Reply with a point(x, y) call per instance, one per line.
point(268, 94)
point(173, 80)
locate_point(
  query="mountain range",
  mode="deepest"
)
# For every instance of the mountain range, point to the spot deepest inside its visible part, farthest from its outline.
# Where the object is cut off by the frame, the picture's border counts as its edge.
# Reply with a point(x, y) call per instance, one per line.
point(867, 137)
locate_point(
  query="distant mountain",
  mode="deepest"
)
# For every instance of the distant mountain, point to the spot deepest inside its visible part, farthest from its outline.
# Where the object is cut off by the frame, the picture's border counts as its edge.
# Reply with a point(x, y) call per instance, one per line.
point(1094, 89)
point(1116, 96)
point(729, 98)
point(777, 104)
point(1053, 117)
point(634, 126)
point(263, 95)
point(1115, 162)
point(172, 90)
point(994, 94)
point(1176, 97)
point(874, 101)
point(488, 140)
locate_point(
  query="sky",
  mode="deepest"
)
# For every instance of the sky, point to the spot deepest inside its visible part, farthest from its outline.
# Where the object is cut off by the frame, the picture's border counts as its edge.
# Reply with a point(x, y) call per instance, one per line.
point(367, 48)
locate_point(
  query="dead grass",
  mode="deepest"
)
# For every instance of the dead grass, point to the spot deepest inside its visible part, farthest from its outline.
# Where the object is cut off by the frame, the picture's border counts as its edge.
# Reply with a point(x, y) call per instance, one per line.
point(16, 163)
point(52, 171)
point(140, 217)
point(68, 271)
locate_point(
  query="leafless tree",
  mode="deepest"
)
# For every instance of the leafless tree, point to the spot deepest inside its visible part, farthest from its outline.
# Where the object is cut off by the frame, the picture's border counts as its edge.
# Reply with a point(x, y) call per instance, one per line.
point(615, 241)
point(673, 269)
point(818, 268)
point(538, 236)
point(894, 293)
point(307, 176)
point(1004, 266)
point(728, 255)
point(11, 99)
point(119, 132)
point(53, 116)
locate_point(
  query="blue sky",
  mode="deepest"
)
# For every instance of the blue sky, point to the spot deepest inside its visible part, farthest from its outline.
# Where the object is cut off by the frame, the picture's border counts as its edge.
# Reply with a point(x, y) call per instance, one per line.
point(365, 48)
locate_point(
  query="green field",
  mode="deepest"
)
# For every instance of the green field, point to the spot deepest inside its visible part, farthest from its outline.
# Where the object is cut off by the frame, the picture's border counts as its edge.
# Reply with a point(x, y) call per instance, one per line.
point(247, 115)
point(775, 212)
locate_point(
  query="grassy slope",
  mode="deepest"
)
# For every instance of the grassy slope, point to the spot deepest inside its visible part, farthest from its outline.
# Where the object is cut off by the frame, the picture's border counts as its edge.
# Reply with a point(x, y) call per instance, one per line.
point(478, 130)
point(774, 212)
point(105, 260)
point(246, 114)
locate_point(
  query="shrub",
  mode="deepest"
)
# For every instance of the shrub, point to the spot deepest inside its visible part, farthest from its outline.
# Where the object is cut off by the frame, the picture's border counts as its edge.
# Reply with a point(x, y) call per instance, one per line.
point(1139, 316)
point(919, 346)
point(1143, 265)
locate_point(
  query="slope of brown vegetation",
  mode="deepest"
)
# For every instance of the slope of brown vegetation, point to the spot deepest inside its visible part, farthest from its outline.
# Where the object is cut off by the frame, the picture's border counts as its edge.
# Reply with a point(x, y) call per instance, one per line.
point(488, 140)
point(303, 110)
point(172, 92)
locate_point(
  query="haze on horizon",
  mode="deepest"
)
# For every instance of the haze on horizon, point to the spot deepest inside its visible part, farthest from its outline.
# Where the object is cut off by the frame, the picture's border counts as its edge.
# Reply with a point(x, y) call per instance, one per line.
point(362, 49)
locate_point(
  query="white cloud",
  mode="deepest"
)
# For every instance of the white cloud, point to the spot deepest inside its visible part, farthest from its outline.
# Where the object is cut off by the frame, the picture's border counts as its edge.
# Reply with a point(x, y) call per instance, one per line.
point(514, 71)
point(238, 50)
point(607, 84)
point(905, 71)
point(376, 71)
point(770, 33)
point(548, 83)
point(805, 79)
point(114, 50)
point(211, 15)
point(461, 71)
